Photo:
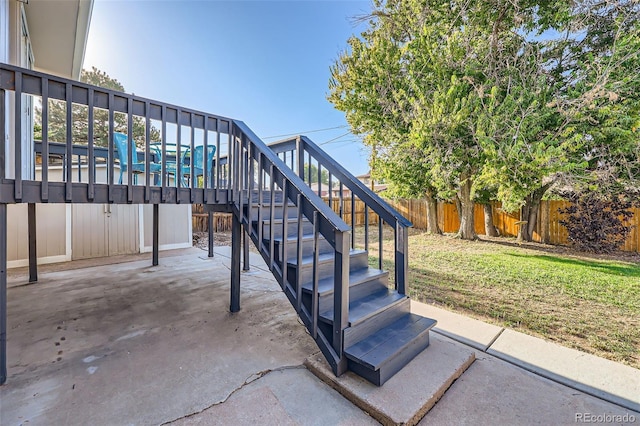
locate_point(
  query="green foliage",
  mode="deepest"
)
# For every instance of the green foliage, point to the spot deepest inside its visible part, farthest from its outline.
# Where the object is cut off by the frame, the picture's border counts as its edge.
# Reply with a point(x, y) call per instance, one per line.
point(324, 174)
point(508, 95)
point(58, 117)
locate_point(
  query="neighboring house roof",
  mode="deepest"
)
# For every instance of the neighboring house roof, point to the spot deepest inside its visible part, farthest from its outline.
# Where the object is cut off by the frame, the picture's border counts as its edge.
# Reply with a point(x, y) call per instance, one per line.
point(58, 30)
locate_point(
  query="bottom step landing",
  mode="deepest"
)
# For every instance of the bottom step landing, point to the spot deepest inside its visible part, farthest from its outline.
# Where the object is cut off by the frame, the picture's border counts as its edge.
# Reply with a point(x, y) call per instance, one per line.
point(407, 396)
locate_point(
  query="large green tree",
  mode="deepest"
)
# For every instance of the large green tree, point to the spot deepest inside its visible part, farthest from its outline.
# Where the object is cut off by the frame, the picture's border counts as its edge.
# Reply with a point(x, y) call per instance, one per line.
point(58, 113)
point(489, 93)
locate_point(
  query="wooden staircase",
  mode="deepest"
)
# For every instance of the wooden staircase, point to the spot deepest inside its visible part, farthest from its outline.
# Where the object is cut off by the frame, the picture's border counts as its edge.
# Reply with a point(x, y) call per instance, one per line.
point(382, 336)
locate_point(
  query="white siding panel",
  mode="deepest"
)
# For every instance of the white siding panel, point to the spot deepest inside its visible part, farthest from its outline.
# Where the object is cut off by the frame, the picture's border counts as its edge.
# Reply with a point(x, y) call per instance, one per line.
point(174, 229)
point(17, 242)
point(89, 231)
point(123, 229)
point(51, 231)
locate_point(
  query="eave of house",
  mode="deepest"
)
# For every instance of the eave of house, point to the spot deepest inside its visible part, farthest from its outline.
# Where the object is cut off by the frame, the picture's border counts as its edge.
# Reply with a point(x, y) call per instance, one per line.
point(58, 30)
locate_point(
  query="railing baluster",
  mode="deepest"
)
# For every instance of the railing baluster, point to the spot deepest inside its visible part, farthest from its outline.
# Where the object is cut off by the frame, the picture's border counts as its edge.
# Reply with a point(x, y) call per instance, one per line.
point(319, 179)
point(401, 263)
point(285, 234)
point(380, 247)
point(260, 200)
point(69, 152)
point(91, 166)
point(300, 151)
point(112, 162)
point(147, 152)
point(178, 177)
point(353, 221)
point(250, 186)
point(299, 255)
point(241, 169)
point(131, 160)
point(163, 154)
point(341, 201)
point(206, 178)
point(314, 295)
point(271, 217)
point(340, 295)
point(18, 137)
point(3, 144)
point(366, 227)
point(192, 159)
point(330, 191)
point(218, 165)
point(230, 164)
point(45, 140)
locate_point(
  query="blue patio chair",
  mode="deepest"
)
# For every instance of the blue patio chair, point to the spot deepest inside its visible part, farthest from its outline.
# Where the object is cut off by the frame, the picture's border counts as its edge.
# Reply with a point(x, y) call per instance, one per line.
point(198, 163)
point(137, 167)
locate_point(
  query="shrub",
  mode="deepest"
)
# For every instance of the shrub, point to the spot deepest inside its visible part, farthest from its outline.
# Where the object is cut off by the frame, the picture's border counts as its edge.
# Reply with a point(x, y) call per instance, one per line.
point(597, 223)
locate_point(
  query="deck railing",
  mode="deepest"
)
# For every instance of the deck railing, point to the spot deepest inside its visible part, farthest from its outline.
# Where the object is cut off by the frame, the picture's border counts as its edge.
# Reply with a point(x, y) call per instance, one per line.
point(185, 128)
point(310, 162)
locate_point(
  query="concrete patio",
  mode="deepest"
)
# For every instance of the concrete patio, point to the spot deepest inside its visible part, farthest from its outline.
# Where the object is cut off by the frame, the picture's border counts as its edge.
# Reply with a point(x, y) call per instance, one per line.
point(102, 343)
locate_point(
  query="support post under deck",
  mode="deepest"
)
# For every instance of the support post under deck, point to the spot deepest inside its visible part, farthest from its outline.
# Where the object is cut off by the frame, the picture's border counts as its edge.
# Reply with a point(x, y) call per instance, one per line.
point(245, 251)
point(236, 235)
point(3, 293)
point(33, 251)
point(156, 225)
point(210, 228)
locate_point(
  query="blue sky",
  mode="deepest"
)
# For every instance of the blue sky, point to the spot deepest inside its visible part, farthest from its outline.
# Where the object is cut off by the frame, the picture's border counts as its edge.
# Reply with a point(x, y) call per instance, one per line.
point(263, 62)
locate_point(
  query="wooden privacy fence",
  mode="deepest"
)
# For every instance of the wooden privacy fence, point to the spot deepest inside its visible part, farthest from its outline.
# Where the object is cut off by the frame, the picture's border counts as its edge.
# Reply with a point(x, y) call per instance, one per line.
point(548, 229)
point(221, 221)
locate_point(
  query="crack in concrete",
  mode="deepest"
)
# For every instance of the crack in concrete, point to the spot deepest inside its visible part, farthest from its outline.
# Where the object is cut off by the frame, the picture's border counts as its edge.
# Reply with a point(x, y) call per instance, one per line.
point(251, 379)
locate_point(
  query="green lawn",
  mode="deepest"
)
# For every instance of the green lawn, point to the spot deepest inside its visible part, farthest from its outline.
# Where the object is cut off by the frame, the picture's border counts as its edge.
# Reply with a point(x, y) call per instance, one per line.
point(585, 303)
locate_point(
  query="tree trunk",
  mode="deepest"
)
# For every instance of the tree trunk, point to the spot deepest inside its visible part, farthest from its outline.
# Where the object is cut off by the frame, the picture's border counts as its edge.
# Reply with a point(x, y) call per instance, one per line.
point(465, 207)
point(432, 214)
point(529, 214)
point(490, 229)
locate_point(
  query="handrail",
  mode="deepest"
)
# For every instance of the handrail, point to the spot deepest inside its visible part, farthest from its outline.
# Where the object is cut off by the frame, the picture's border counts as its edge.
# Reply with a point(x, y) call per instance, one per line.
point(256, 157)
point(332, 217)
point(383, 208)
point(301, 147)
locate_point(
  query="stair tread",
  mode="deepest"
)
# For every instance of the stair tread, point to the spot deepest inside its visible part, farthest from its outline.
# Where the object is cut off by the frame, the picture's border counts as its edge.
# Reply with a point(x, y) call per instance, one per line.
point(375, 350)
point(266, 221)
point(365, 307)
point(325, 286)
point(294, 238)
point(323, 257)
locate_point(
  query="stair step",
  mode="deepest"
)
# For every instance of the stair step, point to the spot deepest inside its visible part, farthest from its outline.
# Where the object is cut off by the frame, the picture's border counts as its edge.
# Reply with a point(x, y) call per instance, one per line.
point(360, 276)
point(388, 342)
point(357, 260)
point(386, 352)
point(292, 227)
point(307, 261)
point(291, 244)
point(278, 213)
point(366, 307)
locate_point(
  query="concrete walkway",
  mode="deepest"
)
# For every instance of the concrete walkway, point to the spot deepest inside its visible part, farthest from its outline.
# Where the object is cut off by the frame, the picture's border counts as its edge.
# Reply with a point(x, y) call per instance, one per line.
point(130, 343)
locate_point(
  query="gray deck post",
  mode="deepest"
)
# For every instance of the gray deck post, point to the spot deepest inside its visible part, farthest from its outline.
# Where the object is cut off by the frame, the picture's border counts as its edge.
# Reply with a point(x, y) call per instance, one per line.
point(156, 225)
point(245, 251)
point(3, 293)
point(236, 235)
point(210, 228)
point(33, 251)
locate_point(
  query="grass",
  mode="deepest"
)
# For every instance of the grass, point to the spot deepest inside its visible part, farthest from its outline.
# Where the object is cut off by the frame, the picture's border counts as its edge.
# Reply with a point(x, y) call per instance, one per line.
point(585, 303)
